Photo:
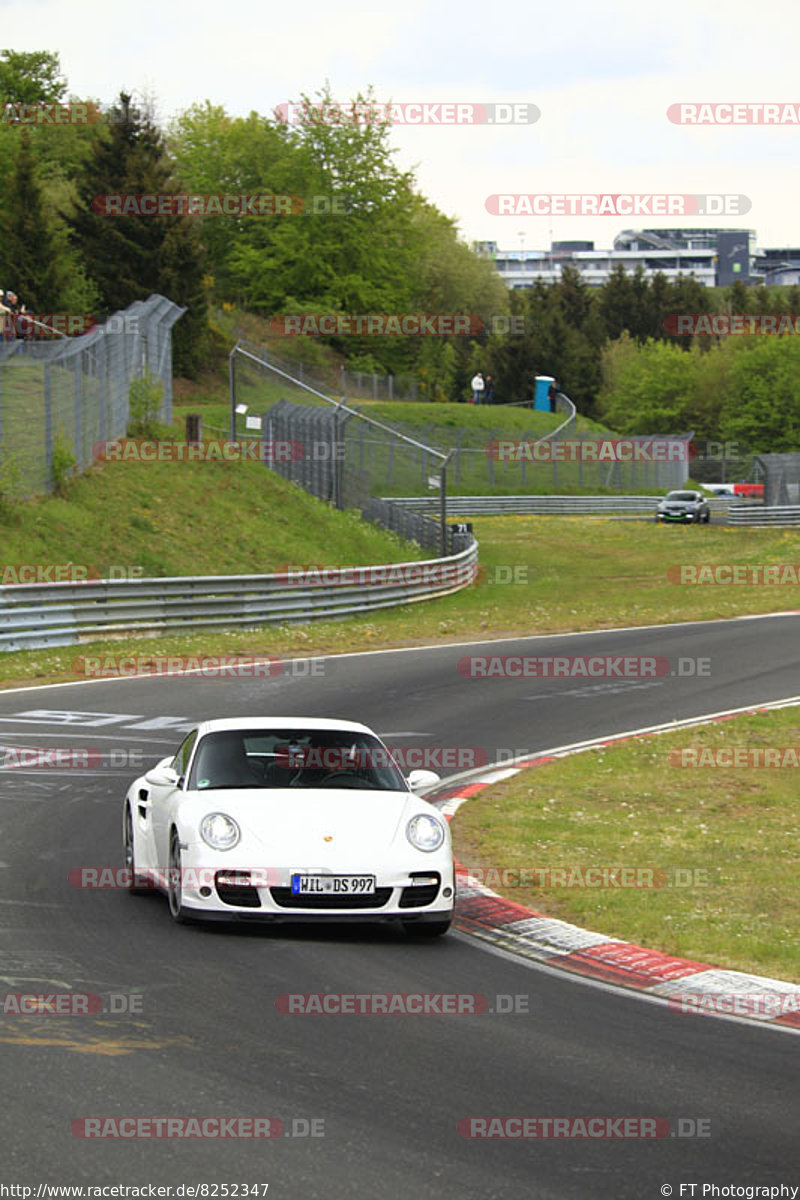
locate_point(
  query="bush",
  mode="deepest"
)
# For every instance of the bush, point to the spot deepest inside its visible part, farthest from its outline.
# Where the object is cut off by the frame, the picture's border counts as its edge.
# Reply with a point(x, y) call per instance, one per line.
point(10, 487)
point(63, 464)
point(145, 399)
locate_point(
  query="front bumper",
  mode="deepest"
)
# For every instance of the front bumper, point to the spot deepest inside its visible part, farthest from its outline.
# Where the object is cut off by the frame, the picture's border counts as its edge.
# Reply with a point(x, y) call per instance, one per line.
point(414, 892)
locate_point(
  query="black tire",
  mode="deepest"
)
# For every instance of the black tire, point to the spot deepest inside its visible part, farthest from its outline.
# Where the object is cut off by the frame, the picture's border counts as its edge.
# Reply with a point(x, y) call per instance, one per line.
point(174, 876)
point(137, 885)
point(427, 929)
point(707, 519)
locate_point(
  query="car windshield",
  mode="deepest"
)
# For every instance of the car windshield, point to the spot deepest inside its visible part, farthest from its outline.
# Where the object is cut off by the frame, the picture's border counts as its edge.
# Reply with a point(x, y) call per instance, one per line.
point(293, 758)
point(680, 496)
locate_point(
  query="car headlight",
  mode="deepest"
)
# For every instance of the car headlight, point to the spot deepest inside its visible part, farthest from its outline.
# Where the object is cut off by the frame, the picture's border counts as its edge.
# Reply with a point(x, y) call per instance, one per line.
point(425, 833)
point(219, 831)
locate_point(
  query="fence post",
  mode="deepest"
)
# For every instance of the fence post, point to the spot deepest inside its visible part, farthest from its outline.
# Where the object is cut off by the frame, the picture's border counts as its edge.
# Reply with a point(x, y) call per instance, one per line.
point(77, 437)
point(232, 390)
point(48, 423)
point(443, 503)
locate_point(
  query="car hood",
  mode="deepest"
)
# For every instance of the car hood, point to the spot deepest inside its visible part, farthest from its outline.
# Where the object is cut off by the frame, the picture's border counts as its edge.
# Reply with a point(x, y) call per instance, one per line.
point(288, 820)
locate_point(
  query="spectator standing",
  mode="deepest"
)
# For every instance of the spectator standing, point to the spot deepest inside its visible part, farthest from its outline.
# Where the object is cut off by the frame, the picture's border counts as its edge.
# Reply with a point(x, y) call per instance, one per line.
point(477, 387)
point(551, 395)
point(8, 310)
point(488, 390)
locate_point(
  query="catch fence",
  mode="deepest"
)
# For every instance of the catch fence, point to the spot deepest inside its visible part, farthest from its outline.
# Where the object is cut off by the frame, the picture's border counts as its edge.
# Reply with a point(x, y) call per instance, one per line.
point(72, 393)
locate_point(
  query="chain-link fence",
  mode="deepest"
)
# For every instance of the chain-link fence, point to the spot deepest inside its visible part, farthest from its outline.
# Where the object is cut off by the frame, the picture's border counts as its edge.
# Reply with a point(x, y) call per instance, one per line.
point(780, 474)
point(74, 392)
point(723, 462)
point(377, 460)
point(336, 380)
point(339, 454)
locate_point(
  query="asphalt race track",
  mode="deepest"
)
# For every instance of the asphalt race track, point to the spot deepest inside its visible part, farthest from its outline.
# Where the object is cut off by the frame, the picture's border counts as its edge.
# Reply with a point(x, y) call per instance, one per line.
point(390, 1090)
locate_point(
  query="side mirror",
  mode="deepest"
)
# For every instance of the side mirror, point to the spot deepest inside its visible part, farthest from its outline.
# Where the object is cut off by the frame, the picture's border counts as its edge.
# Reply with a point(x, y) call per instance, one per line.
point(422, 779)
point(162, 776)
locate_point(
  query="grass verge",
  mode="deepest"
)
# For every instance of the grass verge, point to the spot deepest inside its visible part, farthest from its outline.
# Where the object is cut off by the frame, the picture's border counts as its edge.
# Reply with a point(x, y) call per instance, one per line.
point(540, 575)
point(723, 841)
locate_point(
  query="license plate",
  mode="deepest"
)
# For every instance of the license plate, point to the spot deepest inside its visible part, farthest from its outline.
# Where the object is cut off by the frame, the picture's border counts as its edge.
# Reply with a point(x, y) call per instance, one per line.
point(336, 885)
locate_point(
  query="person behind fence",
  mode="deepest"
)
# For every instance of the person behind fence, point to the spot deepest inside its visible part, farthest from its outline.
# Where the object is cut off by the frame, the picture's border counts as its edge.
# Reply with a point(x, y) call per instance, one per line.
point(488, 390)
point(8, 310)
point(552, 393)
point(477, 386)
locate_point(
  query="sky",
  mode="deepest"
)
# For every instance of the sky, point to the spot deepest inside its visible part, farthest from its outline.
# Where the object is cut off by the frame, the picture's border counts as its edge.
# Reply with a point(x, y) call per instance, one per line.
point(602, 76)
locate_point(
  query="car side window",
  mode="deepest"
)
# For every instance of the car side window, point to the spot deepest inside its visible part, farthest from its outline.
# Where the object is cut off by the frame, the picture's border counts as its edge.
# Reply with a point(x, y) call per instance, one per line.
point(180, 762)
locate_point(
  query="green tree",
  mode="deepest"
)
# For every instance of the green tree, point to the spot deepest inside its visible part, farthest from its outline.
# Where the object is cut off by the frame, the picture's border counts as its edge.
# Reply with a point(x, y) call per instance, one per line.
point(618, 304)
point(30, 77)
point(131, 256)
point(28, 257)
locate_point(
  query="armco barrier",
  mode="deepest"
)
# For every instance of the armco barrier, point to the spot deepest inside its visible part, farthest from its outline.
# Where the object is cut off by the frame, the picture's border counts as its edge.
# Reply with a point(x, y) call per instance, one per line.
point(35, 616)
point(766, 515)
point(565, 505)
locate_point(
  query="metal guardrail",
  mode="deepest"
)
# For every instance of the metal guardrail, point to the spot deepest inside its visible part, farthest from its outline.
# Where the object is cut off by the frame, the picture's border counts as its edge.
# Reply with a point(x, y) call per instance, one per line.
point(561, 505)
point(776, 515)
point(36, 616)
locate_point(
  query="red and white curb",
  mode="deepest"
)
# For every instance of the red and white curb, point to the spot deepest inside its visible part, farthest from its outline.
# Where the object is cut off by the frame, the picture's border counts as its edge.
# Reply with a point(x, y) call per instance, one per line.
point(687, 986)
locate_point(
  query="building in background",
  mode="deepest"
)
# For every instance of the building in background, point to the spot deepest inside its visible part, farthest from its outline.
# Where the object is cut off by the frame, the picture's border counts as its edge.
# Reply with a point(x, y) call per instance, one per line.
point(714, 257)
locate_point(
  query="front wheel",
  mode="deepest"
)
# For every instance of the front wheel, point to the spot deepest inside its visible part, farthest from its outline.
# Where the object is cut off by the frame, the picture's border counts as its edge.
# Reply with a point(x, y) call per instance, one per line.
point(174, 881)
point(136, 884)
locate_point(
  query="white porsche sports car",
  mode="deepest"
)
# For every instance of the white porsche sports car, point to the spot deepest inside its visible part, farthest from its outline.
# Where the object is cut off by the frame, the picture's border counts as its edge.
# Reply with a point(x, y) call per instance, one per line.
point(288, 818)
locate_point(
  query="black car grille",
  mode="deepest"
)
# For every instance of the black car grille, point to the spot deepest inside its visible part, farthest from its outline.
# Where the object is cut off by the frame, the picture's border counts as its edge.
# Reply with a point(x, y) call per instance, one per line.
point(237, 895)
point(418, 897)
point(284, 897)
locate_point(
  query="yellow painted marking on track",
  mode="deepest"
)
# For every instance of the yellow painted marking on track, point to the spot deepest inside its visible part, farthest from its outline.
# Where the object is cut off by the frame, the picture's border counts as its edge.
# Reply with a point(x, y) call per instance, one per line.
point(109, 1047)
